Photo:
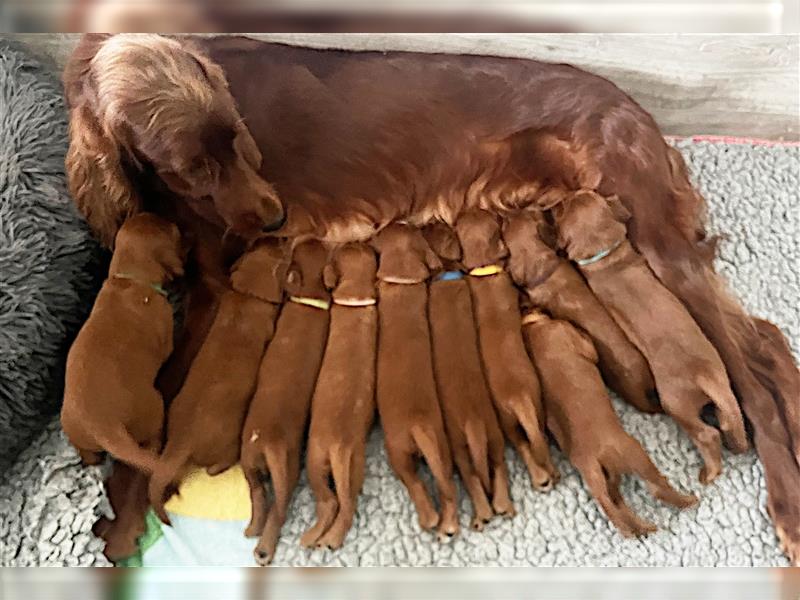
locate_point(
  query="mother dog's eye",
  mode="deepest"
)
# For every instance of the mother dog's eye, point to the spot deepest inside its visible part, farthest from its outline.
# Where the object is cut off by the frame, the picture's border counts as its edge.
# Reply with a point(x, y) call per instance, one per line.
point(203, 173)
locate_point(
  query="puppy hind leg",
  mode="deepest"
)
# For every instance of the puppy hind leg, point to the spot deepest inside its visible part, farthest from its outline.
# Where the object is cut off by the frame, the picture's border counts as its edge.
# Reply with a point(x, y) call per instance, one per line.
point(478, 446)
point(610, 500)
point(501, 495)
point(515, 434)
point(639, 525)
point(90, 457)
point(482, 511)
point(436, 451)
point(729, 416)
point(219, 468)
point(546, 475)
point(284, 468)
point(259, 504)
point(348, 473)
point(318, 468)
point(640, 464)
point(708, 442)
point(404, 464)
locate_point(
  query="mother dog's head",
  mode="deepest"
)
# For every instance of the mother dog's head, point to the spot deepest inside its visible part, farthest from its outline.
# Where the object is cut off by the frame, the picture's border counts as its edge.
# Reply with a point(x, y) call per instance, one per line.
point(147, 100)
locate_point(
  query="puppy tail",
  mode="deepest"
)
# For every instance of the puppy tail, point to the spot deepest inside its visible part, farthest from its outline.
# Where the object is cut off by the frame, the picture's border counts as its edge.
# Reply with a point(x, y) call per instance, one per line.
point(478, 446)
point(166, 472)
point(120, 444)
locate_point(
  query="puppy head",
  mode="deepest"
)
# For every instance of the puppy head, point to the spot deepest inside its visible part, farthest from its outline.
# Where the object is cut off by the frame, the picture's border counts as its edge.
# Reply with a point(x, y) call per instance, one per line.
point(405, 256)
point(352, 272)
point(444, 242)
point(304, 275)
point(146, 242)
point(588, 223)
point(261, 271)
point(528, 237)
point(479, 234)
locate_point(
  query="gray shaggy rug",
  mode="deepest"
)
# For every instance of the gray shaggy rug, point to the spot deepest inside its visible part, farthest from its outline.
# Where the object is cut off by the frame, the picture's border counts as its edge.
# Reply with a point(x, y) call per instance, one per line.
point(46, 252)
point(49, 501)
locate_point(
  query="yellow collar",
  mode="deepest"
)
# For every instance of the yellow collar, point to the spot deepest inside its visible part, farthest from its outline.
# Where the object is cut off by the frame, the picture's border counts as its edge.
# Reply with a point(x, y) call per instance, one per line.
point(533, 317)
point(355, 302)
point(486, 271)
point(312, 302)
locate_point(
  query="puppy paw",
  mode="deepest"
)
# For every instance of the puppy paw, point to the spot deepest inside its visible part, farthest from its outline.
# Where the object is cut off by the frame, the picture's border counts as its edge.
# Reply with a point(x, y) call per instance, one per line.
point(263, 557)
point(504, 507)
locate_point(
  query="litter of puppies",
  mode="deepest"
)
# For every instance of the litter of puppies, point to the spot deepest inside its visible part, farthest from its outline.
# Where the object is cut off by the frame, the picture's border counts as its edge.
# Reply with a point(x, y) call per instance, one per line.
point(424, 326)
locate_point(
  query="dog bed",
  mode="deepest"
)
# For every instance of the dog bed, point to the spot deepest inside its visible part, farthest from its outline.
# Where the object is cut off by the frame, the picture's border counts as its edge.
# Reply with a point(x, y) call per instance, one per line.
point(48, 501)
point(46, 251)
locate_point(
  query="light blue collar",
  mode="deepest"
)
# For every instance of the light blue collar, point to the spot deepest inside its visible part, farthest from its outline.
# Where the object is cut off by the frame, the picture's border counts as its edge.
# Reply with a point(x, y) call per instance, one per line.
point(450, 276)
point(599, 256)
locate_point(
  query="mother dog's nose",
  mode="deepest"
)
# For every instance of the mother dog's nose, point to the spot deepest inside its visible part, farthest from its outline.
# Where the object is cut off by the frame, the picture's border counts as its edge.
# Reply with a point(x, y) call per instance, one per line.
point(275, 225)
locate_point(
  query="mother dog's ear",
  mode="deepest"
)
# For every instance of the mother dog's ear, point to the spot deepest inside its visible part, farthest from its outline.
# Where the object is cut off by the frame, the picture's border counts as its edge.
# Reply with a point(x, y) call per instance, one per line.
point(97, 181)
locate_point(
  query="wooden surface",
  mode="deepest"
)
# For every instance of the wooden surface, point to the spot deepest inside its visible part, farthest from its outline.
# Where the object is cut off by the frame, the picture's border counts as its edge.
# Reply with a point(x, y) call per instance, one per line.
point(736, 85)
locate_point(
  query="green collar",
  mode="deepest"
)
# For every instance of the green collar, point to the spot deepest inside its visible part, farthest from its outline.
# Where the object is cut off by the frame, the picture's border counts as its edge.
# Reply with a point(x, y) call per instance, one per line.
point(156, 286)
point(599, 256)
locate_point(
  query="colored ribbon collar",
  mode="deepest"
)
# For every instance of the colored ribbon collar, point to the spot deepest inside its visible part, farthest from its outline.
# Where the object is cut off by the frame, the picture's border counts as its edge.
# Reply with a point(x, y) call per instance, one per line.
point(486, 271)
point(533, 317)
point(449, 276)
point(312, 302)
point(599, 256)
point(355, 302)
point(401, 280)
point(156, 286)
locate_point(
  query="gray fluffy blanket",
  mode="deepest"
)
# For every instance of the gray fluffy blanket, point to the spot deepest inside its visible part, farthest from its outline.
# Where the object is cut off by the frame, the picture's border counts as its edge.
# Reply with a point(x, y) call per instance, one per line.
point(48, 501)
point(46, 251)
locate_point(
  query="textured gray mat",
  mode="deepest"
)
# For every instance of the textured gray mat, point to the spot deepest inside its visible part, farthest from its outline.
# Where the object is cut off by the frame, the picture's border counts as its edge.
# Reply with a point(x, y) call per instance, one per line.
point(48, 501)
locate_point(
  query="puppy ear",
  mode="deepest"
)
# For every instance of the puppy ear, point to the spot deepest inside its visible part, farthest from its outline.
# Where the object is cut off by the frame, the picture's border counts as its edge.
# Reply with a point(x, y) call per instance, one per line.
point(293, 281)
point(443, 240)
point(97, 181)
point(431, 260)
point(516, 267)
point(621, 213)
point(497, 247)
point(330, 276)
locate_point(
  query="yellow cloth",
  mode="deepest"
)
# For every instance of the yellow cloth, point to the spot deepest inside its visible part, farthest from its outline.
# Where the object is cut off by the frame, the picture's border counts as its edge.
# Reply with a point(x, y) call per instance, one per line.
point(487, 270)
point(224, 497)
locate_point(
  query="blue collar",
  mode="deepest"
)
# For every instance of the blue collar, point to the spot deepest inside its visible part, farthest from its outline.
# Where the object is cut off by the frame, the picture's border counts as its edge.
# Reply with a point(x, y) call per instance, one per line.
point(449, 276)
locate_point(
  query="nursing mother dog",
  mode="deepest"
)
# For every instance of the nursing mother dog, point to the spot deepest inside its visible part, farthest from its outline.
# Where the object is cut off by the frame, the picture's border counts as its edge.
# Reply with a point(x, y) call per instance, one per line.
point(339, 144)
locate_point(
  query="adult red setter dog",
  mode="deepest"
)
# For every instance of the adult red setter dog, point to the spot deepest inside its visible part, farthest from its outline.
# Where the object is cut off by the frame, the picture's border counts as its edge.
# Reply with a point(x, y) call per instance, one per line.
point(229, 136)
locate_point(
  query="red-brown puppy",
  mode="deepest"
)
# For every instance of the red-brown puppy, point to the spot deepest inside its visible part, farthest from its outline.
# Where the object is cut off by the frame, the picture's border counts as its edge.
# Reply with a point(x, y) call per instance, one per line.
point(110, 402)
point(552, 283)
point(272, 437)
point(471, 423)
point(343, 405)
point(512, 379)
point(688, 371)
point(406, 388)
point(583, 421)
point(204, 424)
